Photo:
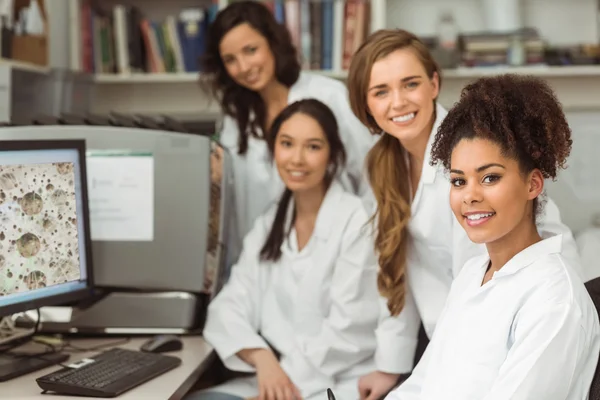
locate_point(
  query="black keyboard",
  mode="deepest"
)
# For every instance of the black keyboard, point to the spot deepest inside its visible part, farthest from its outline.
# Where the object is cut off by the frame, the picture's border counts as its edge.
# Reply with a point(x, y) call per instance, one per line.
point(108, 374)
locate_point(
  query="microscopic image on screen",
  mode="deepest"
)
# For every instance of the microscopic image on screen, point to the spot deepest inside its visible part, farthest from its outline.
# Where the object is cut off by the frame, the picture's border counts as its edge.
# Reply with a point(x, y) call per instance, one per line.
point(38, 227)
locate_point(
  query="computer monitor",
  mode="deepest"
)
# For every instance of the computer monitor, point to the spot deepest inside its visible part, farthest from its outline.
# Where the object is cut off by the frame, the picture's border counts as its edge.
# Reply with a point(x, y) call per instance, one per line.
point(174, 236)
point(45, 247)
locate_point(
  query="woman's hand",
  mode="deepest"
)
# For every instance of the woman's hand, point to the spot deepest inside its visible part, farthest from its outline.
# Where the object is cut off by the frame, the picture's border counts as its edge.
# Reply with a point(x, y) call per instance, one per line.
point(273, 382)
point(376, 385)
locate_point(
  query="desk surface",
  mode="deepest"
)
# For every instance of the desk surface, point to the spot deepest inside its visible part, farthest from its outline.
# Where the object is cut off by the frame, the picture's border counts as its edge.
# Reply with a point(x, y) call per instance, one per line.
point(195, 355)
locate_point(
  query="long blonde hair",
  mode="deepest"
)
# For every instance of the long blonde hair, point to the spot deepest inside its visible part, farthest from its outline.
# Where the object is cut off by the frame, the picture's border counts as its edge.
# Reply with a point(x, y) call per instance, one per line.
point(386, 162)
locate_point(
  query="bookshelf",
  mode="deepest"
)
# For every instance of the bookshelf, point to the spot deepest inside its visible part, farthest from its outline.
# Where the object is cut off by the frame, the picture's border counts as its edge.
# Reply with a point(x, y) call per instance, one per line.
point(171, 91)
point(583, 71)
point(179, 92)
point(459, 73)
point(156, 12)
point(189, 77)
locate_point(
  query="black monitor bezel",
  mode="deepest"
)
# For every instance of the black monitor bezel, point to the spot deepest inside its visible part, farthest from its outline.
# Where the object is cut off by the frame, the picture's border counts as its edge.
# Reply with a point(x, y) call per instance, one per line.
point(77, 295)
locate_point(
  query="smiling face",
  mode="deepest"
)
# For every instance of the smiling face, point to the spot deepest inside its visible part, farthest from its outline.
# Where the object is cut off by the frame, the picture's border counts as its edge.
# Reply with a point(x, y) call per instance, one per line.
point(400, 95)
point(302, 153)
point(247, 57)
point(490, 196)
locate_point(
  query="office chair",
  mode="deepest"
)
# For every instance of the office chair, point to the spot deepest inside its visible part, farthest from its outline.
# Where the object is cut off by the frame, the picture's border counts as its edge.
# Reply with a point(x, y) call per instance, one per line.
point(593, 288)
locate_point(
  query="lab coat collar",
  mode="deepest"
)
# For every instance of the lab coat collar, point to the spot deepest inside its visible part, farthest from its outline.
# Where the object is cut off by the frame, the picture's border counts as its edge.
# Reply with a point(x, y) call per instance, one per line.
point(552, 245)
point(429, 172)
point(327, 212)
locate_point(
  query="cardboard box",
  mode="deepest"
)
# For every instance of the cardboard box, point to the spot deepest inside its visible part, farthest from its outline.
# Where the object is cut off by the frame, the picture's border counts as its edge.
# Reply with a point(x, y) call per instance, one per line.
point(31, 48)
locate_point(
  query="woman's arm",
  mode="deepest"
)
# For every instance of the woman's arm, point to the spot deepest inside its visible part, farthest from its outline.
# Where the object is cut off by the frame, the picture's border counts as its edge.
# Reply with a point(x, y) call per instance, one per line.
point(234, 314)
point(397, 338)
point(544, 359)
point(396, 346)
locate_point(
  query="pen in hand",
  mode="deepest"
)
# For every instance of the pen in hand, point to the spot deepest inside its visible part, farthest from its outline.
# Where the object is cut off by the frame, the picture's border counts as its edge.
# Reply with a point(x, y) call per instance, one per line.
point(330, 395)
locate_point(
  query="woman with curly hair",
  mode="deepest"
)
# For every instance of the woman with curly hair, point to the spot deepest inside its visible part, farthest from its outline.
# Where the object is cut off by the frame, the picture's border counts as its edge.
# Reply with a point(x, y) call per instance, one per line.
point(394, 84)
point(251, 67)
point(518, 322)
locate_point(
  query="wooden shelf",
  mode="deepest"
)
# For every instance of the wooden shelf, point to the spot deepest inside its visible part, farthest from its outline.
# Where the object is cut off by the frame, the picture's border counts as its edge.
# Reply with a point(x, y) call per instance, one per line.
point(23, 66)
point(188, 77)
point(571, 71)
point(146, 78)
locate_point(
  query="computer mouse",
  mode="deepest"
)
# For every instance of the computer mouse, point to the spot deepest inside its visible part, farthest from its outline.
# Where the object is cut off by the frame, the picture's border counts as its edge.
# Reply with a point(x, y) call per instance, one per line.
point(162, 344)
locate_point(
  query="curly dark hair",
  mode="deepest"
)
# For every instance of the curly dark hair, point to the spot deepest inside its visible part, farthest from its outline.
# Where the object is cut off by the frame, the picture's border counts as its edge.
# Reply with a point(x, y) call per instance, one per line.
point(235, 100)
point(519, 113)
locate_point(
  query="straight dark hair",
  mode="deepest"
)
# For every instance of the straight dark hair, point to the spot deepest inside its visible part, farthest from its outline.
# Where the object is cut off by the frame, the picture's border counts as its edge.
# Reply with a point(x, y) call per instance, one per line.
point(235, 100)
point(271, 250)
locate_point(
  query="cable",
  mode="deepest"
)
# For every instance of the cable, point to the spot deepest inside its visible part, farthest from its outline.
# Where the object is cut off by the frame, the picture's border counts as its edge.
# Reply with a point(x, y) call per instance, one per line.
point(62, 347)
point(18, 342)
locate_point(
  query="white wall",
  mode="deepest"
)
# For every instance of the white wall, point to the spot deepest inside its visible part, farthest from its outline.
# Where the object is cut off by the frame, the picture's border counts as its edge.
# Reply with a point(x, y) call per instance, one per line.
point(577, 190)
point(560, 22)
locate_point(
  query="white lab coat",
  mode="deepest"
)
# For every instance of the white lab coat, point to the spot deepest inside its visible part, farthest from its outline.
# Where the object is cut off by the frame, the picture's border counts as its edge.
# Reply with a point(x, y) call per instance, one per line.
point(314, 306)
point(256, 180)
point(438, 248)
point(531, 332)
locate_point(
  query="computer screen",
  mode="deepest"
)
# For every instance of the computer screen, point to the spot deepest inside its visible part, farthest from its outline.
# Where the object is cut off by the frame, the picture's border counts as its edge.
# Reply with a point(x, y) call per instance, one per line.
point(44, 229)
point(159, 206)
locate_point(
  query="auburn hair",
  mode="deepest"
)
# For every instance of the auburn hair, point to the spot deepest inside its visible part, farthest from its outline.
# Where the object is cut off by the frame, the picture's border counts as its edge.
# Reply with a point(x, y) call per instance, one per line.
point(386, 162)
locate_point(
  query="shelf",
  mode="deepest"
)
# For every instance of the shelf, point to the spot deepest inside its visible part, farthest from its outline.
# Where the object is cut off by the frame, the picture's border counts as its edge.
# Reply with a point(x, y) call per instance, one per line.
point(147, 78)
point(23, 66)
point(459, 73)
point(572, 71)
point(187, 77)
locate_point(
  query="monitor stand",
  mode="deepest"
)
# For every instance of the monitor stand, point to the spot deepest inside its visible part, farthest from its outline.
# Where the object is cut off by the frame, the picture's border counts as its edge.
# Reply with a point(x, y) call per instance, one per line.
point(18, 364)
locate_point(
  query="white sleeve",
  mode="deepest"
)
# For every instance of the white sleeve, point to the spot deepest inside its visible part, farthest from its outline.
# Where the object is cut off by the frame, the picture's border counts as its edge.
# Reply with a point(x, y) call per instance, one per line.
point(410, 389)
point(346, 336)
point(550, 224)
point(543, 360)
point(233, 316)
point(397, 337)
point(229, 134)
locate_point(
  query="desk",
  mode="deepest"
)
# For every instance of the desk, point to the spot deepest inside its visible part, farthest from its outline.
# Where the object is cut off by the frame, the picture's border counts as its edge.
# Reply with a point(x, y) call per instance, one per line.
point(196, 356)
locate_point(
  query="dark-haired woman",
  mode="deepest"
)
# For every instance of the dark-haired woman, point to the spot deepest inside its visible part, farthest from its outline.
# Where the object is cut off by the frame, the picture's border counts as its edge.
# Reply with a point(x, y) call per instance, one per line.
point(518, 323)
point(305, 283)
point(253, 70)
